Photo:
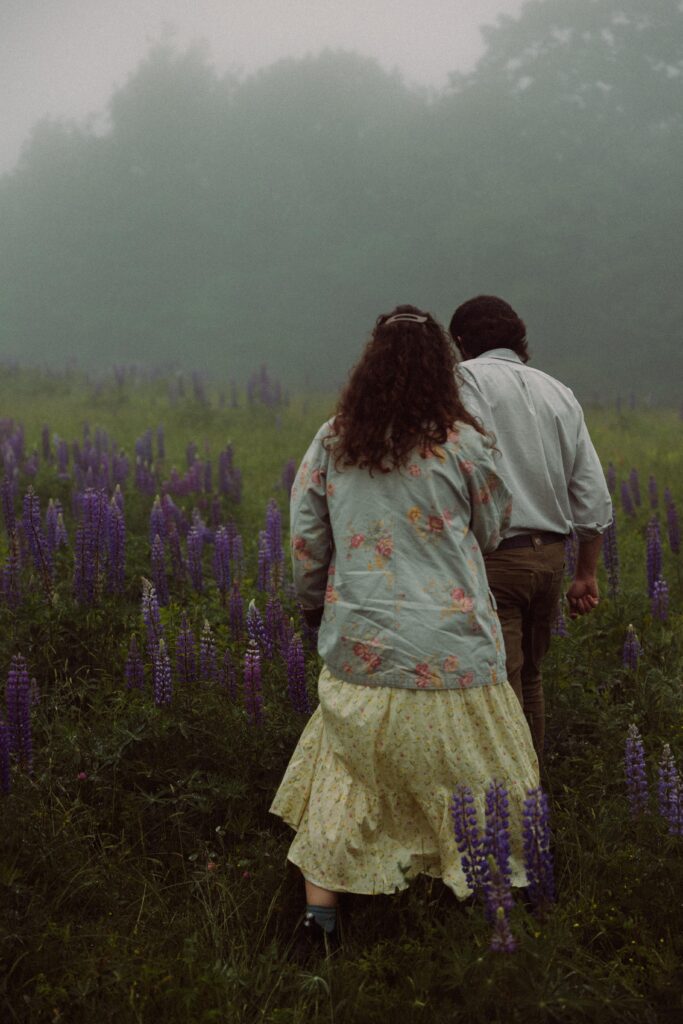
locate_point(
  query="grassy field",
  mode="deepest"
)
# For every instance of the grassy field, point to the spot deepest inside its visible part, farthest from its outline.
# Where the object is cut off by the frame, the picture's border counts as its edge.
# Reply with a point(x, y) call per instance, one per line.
point(141, 877)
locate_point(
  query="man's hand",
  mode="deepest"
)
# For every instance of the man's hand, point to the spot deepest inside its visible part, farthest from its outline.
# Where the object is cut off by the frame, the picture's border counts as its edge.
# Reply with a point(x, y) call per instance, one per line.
point(582, 596)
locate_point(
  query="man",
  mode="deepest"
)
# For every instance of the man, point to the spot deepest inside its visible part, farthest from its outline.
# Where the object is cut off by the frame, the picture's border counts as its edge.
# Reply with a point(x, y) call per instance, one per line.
point(549, 464)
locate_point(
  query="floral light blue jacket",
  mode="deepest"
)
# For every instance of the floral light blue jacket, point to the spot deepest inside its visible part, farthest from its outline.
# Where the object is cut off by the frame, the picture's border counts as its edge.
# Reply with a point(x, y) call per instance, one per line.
point(396, 559)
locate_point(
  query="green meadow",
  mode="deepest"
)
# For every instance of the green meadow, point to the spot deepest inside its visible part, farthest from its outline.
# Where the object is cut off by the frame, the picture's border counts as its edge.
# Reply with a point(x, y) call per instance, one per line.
point(141, 876)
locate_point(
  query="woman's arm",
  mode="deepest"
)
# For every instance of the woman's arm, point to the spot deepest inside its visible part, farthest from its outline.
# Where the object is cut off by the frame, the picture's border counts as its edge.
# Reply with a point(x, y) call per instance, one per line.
point(310, 530)
point(491, 502)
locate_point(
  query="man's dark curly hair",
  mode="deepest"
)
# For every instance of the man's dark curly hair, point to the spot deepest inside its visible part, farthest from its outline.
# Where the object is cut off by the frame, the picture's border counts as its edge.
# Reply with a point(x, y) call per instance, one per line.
point(487, 322)
point(401, 395)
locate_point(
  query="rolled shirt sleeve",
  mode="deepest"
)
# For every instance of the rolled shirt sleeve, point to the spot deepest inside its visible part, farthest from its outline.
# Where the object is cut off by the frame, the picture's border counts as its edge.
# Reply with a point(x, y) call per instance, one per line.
point(310, 531)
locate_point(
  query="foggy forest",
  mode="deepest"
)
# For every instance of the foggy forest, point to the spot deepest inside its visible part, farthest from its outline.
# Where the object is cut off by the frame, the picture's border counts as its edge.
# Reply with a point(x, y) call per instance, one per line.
point(220, 221)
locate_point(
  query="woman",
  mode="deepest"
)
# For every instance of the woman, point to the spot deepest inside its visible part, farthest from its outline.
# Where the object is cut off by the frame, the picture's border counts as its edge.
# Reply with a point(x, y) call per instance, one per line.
point(393, 504)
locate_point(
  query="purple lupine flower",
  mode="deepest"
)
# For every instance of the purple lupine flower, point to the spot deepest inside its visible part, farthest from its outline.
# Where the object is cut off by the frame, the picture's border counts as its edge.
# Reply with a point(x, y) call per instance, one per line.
point(468, 838)
point(274, 538)
point(208, 668)
point(10, 577)
point(134, 671)
point(159, 575)
point(151, 617)
point(559, 626)
point(502, 939)
point(673, 528)
point(627, 500)
point(611, 477)
point(632, 650)
point(257, 632)
point(253, 697)
point(275, 620)
point(161, 443)
point(162, 685)
point(296, 677)
point(610, 554)
point(55, 531)
point(670, 792)
point(18, 696)
point(229, 478)
point(221, 561)
point(634, 487)
point(178, 564)
point(7, 499)
point(236, 610)
point(37, 542)
point(660, 599)
point(143, 447)
point(116, 549)
point(208, 484)
point(5, 776)
point(185, 653)
point(91, 545)
point(263, 565)
point(654, 554)
point(496, 842)
point(288, 476)
point(195, 547)
point(538, 860)
point(636, 774)
point(229, 676)
point(157, 521)
point(652, 491)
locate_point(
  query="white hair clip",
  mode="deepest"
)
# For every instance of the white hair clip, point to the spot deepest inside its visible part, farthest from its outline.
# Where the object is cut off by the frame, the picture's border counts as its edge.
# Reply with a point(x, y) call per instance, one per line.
point(411, 317)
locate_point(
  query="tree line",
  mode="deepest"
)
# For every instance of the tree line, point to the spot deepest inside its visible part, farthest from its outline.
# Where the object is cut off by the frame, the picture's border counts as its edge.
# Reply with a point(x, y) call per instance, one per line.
point(219, 221)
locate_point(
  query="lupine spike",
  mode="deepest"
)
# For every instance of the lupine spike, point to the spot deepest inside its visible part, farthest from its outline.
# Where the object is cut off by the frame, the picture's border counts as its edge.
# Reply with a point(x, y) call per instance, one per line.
point(538, 861)
point(468, 838)
point(634, 486)
point(162, 684)
point(670, 792)
point(207, 654)
point(632, 650)
point(253, 698)
point(627, 500)
point(296, 677)
point(660, 599)
point(159, 575)
point(654, 554)
point(636, 774)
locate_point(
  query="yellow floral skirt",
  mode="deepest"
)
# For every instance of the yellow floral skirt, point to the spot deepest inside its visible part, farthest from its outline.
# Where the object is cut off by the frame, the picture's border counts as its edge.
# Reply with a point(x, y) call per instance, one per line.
point(369, 785)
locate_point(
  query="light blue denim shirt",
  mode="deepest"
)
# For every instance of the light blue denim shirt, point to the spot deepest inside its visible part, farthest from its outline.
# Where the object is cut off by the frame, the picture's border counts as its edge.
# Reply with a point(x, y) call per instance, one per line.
point(548, 461)
point(396, 558)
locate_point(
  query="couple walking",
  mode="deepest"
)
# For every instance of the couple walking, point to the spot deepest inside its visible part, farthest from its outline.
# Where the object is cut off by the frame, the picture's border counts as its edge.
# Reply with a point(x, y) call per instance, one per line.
point(428, 521)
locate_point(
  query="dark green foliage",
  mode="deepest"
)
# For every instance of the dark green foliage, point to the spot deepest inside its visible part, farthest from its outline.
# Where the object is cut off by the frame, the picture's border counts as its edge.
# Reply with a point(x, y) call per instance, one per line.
point(142, 878)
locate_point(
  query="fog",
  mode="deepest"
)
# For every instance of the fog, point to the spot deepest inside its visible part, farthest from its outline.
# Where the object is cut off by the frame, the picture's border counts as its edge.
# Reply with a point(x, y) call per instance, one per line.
point(65, 57)
point(264, 202)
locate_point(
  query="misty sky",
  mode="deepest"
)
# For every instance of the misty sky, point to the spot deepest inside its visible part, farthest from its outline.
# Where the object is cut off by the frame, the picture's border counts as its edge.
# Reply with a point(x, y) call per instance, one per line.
point(64, 57)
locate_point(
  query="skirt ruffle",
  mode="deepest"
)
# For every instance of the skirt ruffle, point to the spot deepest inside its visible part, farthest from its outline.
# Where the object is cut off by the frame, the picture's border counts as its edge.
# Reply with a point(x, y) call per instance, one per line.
point(369, 786)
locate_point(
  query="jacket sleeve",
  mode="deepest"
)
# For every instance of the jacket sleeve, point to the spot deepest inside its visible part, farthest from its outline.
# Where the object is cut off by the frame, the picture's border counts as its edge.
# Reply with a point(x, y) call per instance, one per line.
point(310, 530)
point(490, 500)
point(589, 497)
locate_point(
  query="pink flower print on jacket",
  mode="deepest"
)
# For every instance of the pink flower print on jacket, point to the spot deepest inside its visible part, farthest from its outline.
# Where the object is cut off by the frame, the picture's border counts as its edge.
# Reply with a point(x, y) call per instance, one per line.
point(366, 654)
point(385, 547)
point(357, 540)
point(466, 679)
point(460, 601)
point(451, 663)
point(435, 524)
point(414, 469)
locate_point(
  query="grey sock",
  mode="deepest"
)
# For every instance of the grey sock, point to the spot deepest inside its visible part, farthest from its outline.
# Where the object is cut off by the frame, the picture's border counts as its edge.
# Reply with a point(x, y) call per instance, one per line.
point(326, 917)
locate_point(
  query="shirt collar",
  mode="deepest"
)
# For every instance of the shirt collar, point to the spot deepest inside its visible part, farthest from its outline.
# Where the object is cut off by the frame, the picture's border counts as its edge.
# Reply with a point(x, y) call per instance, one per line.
point(500, 353)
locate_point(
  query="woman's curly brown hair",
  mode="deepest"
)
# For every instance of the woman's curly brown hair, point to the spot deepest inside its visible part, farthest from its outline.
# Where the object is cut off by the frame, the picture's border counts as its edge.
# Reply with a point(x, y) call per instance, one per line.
point(401, 395)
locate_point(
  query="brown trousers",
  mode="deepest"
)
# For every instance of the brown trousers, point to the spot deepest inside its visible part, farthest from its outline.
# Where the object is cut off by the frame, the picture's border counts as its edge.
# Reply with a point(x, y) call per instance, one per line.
point(526, 583)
